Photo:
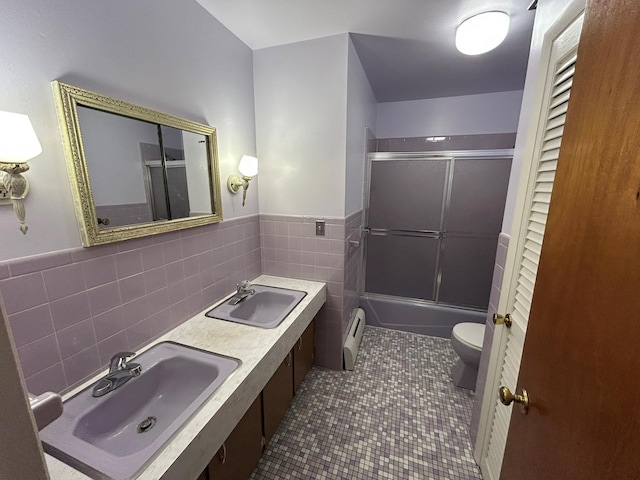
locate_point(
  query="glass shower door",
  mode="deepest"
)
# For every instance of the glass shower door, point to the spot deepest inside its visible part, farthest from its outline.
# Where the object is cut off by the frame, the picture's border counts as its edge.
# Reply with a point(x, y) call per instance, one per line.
point(405, 218)
point(433, 222)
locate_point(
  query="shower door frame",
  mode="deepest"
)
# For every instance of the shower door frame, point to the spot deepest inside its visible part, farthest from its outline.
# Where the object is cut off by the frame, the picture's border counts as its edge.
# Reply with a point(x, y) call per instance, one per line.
point(442, 234)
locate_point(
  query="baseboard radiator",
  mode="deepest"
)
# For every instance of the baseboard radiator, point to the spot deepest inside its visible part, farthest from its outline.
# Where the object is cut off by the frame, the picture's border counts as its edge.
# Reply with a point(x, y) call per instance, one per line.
point(354, 337)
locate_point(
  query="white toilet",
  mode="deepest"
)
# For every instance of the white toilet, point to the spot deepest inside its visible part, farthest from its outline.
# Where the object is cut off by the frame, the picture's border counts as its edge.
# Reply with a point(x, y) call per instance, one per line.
point(466, 340)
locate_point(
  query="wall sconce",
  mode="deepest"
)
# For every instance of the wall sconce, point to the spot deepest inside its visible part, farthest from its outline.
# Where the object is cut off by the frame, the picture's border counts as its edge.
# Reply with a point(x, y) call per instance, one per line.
point(248, 167)
point(18, 143)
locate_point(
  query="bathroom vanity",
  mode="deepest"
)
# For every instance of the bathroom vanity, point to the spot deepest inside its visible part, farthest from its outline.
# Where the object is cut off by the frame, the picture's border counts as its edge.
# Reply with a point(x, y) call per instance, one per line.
point(273, 364)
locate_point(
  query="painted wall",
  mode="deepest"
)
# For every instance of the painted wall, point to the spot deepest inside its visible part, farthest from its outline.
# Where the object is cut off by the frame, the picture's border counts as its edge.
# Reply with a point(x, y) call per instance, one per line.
point(173, 57)
point(464, 115)
point(361, 113)
point(301, 100)
point(547, 13)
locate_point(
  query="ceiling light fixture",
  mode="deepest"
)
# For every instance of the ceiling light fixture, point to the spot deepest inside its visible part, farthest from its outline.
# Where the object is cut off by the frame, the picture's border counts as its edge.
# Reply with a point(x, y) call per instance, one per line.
point(482, 33)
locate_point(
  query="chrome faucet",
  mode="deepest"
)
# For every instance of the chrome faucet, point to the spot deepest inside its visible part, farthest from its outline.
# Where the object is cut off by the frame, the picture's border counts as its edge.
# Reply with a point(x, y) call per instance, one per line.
point(120, 372)
point(243, 290)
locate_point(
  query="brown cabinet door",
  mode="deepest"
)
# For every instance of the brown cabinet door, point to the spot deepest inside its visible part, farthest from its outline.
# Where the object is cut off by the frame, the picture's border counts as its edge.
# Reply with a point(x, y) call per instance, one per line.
point(203, 476)
point(303, 356)
point(277, 396)
point(241, 451)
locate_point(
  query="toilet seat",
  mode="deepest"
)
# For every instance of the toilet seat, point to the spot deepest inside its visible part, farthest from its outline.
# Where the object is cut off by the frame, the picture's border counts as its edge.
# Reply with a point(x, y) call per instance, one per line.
point(470, 334)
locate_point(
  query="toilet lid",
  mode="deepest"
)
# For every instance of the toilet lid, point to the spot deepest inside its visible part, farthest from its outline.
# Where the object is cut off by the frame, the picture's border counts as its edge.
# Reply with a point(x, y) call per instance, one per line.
point(471, 334)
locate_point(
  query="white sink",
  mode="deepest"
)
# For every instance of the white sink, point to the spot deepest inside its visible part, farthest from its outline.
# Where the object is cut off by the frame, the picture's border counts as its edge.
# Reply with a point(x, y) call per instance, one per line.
point(266, 308)
point(115, 435)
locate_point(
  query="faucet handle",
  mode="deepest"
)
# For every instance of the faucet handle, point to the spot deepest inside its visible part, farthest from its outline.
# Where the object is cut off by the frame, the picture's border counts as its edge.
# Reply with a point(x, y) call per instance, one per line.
point(118, 361)
point(243, 286)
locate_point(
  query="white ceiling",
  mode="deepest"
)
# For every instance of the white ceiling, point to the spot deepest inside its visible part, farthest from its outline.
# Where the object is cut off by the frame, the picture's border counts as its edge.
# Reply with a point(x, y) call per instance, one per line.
point(406, 46)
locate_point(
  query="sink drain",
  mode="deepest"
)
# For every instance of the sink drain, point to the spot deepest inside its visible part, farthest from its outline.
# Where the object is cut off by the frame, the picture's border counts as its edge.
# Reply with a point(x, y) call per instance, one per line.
point(147, 424)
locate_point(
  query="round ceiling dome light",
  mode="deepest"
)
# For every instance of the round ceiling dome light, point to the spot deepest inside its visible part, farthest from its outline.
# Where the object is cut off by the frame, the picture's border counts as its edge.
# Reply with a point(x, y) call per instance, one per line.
point(482, 33)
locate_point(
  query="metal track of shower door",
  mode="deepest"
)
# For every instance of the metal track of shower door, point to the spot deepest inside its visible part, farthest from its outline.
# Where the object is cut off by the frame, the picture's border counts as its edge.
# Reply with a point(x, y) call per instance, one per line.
point(388, 232)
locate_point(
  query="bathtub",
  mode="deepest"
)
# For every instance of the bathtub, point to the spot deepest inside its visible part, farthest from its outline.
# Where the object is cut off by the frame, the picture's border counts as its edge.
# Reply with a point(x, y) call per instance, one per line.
point(416, 316)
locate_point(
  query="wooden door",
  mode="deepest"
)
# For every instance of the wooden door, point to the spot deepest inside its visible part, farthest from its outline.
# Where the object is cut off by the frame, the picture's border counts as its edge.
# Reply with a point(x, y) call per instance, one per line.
point(580, 363)
point(303, 355)
point(276, 397)
point(241, 451)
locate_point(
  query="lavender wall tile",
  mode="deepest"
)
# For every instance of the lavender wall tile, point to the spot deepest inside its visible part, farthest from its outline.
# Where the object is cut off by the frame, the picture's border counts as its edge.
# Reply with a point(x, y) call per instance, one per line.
point(160, 322)
point(31, 325)
point(135, 311)
point(99, 271)
point(108, 323)
point(134, 244)
point(37, 263)
point(76, 338)
point(132, 287)
point(191, 265)
point(155, 279)
point(172, 251)
point(70, 310)
point(174, 272)
point(104, 298)
point(63, 281)
point(152, 257)
point(81, 365)
point(112, 345)
point(51, 379)
point(195, 303)
point(91, 294)
point(190, 247)
point(36, 356)
point(139, 334)
point(158, 300)
point(82, 254)
point(21, 293)
point(128, 263)
point(4, 271)
point(179, 312)
point(322, 245)
point(497, 275)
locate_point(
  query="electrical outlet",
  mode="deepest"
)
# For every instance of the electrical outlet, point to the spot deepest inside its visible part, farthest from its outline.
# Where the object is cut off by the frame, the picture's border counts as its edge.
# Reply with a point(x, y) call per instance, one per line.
point(319, 228)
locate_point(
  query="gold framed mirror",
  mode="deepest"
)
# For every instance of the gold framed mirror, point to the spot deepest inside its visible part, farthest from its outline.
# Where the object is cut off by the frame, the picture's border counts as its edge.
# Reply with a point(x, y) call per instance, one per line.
point(135, 171)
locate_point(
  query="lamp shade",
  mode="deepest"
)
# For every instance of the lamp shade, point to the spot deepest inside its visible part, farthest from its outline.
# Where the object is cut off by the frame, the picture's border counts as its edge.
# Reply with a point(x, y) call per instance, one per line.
point(248, 166)
point(482, 33)
point(18, 140)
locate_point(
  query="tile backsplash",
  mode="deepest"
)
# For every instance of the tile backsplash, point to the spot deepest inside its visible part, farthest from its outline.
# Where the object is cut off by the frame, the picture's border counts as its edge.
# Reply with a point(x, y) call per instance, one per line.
point(69, 311)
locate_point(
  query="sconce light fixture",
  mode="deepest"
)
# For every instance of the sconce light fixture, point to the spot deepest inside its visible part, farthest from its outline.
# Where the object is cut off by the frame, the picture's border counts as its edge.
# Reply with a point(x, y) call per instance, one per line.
point(18, 143)
point(248, 168)
point(482, 33)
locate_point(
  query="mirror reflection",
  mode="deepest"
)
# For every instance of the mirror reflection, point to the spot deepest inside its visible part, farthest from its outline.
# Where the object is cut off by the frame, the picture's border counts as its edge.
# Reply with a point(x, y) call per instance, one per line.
point(135, 171)
point(141, 171)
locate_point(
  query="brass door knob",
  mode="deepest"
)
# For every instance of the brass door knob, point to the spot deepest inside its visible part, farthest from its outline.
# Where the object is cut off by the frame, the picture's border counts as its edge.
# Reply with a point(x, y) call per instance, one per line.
point(522, 398)
point(502, 320)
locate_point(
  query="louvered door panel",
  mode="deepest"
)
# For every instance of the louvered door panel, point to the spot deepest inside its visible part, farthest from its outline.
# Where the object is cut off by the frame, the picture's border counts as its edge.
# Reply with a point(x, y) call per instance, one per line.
point(531, 239)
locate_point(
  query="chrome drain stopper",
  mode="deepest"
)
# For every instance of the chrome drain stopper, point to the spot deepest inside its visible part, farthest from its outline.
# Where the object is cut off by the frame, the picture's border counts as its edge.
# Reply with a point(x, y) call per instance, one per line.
point(147, 424)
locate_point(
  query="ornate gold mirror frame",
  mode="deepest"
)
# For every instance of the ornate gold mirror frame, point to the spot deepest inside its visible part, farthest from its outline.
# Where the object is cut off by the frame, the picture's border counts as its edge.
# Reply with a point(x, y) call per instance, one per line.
point(67, 99)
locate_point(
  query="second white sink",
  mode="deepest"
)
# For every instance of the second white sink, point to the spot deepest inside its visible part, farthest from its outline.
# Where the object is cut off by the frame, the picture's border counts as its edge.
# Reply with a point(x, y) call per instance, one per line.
point(266, 308)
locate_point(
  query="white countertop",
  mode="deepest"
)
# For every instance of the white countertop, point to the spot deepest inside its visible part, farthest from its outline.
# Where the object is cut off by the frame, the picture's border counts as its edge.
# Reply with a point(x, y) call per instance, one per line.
point(261, 352)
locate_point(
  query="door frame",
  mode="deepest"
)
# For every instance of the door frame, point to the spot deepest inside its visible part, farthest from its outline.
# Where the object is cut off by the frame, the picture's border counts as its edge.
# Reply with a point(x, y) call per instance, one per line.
point(499, 340)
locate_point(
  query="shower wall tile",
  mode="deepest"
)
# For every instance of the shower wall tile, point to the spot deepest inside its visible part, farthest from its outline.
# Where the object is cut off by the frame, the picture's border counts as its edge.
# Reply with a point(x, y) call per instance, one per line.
point(453, 142)
point(69, 311)
point(291, 248)
point(496, 286)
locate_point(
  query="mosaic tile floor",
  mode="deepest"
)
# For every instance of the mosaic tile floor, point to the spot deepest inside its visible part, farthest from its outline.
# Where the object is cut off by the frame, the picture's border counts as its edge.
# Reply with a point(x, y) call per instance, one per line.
point(396, 416)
